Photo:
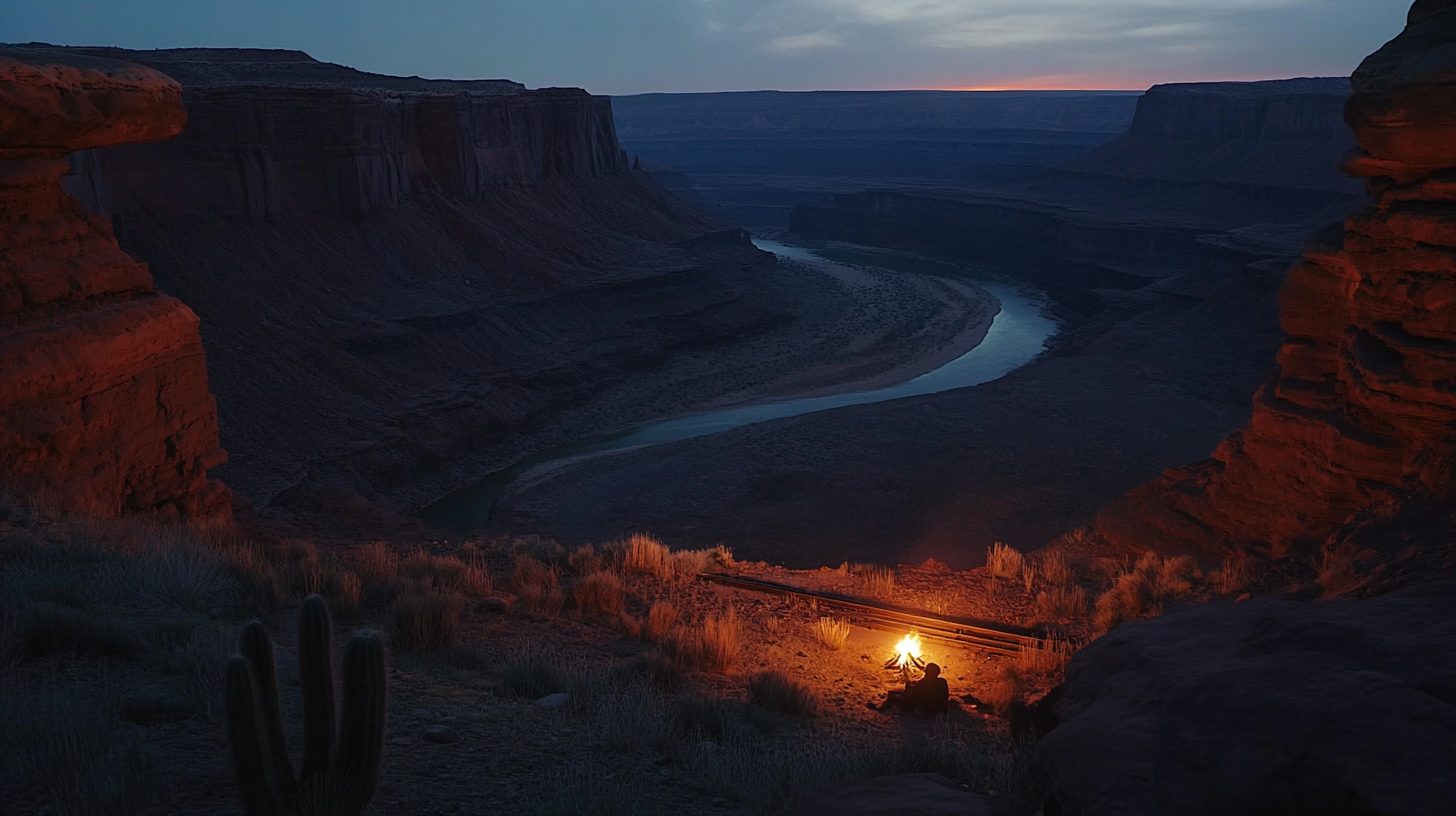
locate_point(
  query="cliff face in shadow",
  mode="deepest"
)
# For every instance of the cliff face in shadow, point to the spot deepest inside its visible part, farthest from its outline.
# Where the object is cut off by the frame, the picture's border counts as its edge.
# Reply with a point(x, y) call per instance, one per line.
point(104, 403)
point(1276, 133)
point(1355, 430)
point(397, 278)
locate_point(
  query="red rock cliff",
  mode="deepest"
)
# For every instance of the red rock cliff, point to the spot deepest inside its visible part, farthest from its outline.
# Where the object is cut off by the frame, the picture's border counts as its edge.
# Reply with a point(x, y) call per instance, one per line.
point(104, 404)
point(1360, 419)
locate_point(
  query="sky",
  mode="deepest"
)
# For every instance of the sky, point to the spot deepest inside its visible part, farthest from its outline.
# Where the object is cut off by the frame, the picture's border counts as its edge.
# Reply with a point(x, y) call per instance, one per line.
point(638, 46)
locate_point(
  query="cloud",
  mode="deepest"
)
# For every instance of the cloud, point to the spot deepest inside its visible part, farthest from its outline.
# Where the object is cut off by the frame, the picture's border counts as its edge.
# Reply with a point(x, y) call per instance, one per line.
point(803, 42)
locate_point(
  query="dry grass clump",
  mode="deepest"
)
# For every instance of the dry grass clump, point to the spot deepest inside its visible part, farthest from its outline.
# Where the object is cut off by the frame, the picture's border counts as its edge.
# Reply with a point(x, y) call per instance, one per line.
point(543, 602)
point(662, 618)
point(645, 554)
point(1004, 562)
point(689, 563)
point(712, 647)
point(529, 572)
point(1054, 569)
point(1044, 657)
point(347, 595)
point(427, 622)
point(878, 580)
point(1141, 591)
point(1235, 574)
point(1060, 603)
point(1003, 688)
point(777, 691)
point(585, 560)
point(598, 593)
point(832, 632)
point(376, 563)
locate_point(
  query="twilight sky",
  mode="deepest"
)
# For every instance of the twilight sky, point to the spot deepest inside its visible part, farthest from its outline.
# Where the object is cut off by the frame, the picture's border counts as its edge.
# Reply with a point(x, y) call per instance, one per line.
point(635, 46)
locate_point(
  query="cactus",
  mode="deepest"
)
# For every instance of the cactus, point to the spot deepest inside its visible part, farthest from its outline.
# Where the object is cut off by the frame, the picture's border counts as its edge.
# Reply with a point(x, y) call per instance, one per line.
point(339, 773)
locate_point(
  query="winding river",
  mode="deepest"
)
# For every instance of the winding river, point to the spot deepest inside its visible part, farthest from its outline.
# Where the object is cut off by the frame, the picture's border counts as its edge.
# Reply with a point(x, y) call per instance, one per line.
point(1017, 335)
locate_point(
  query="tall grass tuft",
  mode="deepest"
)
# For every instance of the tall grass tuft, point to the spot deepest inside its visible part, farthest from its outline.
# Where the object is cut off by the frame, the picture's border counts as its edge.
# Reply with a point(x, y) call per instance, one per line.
point(1003, 561)
point(541, 601)
point(711, 647)
point(376, 563)
point(1054, 569)
point(1142, 590)
point(645, 554)
point(427, 622)
point(598, 593)
point(832, 632)
point(1059, 603)
point(777, 691)
point(878, 580)
point(661, 620)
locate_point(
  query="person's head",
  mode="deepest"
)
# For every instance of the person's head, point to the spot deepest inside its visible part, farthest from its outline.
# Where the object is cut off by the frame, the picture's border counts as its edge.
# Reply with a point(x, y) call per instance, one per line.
point(932, 670)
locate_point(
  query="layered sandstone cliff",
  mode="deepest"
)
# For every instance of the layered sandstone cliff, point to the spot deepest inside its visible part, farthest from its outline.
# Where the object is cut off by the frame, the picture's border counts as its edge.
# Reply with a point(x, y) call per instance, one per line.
point(1274, 133)
point(104, 403)
point(1359, 422)
point(403, 282)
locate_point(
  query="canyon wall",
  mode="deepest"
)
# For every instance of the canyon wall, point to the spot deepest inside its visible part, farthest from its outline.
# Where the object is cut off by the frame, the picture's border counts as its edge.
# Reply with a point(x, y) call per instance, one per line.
point(1274, 133)
point(104, 401)
point(403, 283)
point(1358, 425)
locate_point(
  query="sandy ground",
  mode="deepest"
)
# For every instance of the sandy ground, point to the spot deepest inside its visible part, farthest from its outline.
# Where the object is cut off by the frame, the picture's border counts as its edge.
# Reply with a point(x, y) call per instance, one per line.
point(1020, 460)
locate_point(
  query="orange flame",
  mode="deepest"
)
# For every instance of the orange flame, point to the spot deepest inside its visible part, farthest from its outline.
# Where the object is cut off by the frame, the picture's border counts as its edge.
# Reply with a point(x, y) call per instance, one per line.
point(908, 648)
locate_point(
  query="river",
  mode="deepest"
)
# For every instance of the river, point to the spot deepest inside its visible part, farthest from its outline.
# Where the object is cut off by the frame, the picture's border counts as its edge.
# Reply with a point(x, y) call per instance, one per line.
point(1017, 335)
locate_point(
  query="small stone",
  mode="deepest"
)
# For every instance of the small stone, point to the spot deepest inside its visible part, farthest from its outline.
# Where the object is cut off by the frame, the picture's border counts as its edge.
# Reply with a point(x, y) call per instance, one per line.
point(440, 735)
point(550, 701)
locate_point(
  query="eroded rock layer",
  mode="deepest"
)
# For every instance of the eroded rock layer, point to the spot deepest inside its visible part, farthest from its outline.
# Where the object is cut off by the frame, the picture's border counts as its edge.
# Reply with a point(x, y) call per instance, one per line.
point(104, 403)
point(1360, 419)
point(401, 279)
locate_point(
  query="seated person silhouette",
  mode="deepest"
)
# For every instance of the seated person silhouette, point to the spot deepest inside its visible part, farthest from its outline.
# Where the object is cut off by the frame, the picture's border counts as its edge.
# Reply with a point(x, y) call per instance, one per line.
point(928, 695)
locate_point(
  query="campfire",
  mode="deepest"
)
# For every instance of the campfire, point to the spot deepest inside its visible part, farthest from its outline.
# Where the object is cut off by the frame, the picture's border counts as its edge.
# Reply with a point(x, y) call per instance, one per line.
point(907, 656)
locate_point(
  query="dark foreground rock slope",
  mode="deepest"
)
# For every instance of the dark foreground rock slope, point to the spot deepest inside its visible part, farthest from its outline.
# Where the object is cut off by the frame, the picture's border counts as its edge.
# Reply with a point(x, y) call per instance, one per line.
point(104, 403)
point(1269, 706)
point(398, 277)
point(1359, 423)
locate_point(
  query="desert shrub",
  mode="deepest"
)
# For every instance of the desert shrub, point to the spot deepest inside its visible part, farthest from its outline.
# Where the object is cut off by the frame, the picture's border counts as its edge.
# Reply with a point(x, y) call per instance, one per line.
point(701, 714)
point(1060, 603)
point(545, 550)
point(662, 618)
point(62, 748)
point(1043, 657)
point(598, 593)
point(711, 647)
point(624, 711)
point(585, 560)
point(645, 554)
point(1003, 561)
point(347, 593)
point(1054, 569)
point(1003, 687)
point(260, 586)
point(168, 569)
point(427, 573)
point(1142, 590)
point(541, 601)
point(532, 672)
point(832, 632)
point(661, 670)
point(878, 580)
point(779, 692)
point(49, 630)
point(530, 572)
point(376, 563)
point(689, 563)
point(1235, 574)
point(427, 622)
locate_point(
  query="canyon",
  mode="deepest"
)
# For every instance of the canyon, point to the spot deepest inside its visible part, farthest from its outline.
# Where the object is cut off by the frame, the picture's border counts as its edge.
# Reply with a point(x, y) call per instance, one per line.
point(104, 400)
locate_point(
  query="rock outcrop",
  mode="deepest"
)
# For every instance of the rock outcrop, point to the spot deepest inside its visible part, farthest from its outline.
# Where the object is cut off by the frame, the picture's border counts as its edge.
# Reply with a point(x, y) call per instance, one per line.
point(402, 280)
point(104, 402)
point(1279, 132)
point(1359, 423)
point(1267, 706)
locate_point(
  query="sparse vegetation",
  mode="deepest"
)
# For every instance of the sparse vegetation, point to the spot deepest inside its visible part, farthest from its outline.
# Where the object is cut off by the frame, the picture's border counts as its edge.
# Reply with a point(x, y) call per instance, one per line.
point(832, 632)
point(661, 620)
point(779, 692)
point(711, 647)
point(1059, 603)
point(531, 573)
point(427, 622)
point(878, 580)
point(1004, 687)
point(541, 601)
point(1004, 562)
point(1142, 590)
point(1235, 574)
point(645, 554)
point(376, 563)
point(1044, 657)
point(599, 593)
point(1054, 569)
point(585, 560)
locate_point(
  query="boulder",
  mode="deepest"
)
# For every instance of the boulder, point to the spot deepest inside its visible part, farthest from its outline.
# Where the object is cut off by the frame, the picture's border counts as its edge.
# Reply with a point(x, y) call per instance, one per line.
point(1267, 706)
